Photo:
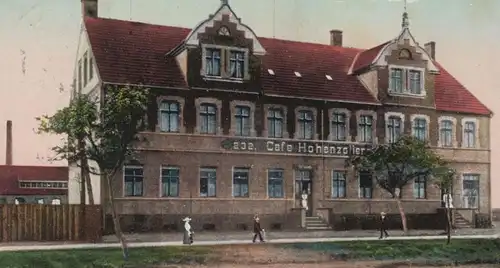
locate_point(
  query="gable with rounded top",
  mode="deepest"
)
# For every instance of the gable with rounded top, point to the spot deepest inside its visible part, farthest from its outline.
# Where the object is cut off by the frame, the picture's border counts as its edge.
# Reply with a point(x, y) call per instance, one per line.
point(404, 38)
point(193, 39)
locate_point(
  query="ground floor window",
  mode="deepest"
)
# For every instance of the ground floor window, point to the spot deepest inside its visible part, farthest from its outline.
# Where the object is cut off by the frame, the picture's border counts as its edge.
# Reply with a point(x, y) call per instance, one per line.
point(208, 182)
point(133, 177)
point(365, 184)
point(419, 187)
point(338, 184)
point(170, 181)
point(470, 192)
point(302, 182)
point(275, 183)
point(240, 182)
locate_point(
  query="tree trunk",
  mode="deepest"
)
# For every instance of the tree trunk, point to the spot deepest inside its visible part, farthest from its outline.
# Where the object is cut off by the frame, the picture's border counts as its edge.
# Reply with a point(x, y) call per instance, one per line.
point(448, 223)
point(88, 182)
point(403, 216)
point(116, 220)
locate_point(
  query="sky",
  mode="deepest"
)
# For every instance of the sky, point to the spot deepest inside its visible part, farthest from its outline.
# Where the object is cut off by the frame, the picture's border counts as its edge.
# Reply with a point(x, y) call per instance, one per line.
point(38, 41)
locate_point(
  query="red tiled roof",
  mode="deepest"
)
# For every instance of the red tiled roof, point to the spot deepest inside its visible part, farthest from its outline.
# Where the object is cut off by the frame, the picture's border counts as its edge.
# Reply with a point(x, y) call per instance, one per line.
point(11, 175)
point(133, 52)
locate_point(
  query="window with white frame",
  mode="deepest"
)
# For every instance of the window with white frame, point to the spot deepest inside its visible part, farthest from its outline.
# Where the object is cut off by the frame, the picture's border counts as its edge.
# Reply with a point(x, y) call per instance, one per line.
point(91, 67)
point(365, 179)
point(208, 182)
point(133, 177)
point(221, 62)
point(169, 116)
point(170, 181)
point(446, 133)
point(338, 184)
point(469, 136)
point(419, 128)
point(237, 64)
point(338, 126)
point(404, 80)
point(242, 117)
point(397, 80)
point(470, 191)
point(420, 187)
point(394, 128)
point(275, 183)
point(80, 78)
point(240, 182)
point(275, 122)
point(365, 128)
point(208, 118)
point(305, 120)
point(213, 62)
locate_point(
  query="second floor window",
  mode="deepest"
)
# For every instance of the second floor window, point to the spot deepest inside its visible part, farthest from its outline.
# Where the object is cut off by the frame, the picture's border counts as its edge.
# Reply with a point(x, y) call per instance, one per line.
point(415, 82)
point(396, 80)
point(208, 118)
point(170, 181)
point(80, 78)
point(237, 64)
point(169, 116)
point(275, 123)
point(306, 125)
point(469, 138)
point(213, 62)
point(85, 68)
point(242, 118)
point(393, 129)
point(133, 179)
point(420, 128)
point(446, 133)
point(365, 128)
point(339, 126)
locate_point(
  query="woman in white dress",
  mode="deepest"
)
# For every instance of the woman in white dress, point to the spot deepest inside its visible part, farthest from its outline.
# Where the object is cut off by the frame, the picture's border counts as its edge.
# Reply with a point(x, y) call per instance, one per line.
point(304, 200)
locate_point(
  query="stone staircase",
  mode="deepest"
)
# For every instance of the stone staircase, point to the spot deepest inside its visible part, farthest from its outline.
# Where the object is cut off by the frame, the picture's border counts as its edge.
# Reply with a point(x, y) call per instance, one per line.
point(460, 221)
point(316, 223)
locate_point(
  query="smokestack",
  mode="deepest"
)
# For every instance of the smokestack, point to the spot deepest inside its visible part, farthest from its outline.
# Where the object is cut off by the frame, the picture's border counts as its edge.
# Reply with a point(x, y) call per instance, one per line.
point(336, 38)
point(89, 8)
point(8, 145)
point(431, 49)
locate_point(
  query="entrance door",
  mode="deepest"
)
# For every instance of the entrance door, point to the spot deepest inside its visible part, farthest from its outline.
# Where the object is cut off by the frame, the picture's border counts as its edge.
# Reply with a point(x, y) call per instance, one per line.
point(470, 191)
point(303, 184)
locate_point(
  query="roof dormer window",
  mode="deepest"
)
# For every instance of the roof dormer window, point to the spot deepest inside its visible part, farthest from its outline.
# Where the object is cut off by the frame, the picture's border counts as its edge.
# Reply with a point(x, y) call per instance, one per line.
point(406, 81)
point(224, 63)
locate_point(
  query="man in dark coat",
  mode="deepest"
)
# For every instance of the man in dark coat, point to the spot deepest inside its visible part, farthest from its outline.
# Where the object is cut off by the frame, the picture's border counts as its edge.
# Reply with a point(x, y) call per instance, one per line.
point(257, 230)
point(383, 225)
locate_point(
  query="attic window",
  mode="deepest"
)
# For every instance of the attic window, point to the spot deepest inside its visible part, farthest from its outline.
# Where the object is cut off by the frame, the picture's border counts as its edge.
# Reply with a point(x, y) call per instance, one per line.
point(405, 54)
point(270, 71)
point(223, 31)
point(329, 77)
point(297, 74)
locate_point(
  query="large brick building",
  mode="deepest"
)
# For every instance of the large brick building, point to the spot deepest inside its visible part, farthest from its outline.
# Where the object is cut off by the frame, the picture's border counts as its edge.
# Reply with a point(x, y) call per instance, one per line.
point(242, 124)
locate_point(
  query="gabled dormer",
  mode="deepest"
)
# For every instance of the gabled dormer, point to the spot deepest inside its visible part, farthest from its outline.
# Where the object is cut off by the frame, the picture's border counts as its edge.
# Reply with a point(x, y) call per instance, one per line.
point(220, 52)
point(403, 70)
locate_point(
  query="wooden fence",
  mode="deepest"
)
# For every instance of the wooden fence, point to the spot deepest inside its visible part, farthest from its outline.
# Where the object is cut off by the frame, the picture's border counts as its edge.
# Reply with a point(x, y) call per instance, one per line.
point(64, 222)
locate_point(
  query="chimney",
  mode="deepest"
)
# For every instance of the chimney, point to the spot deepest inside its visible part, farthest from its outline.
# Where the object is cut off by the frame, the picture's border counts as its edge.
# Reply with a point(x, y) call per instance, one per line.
point(89, 8)
point(8, 145)
point(431, 49)
point(336, 38)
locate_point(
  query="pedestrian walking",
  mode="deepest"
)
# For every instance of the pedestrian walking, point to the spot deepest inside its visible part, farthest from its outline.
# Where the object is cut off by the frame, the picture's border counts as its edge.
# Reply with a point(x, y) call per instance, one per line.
point(188, 233)
point(383, 225)
point(257, 230)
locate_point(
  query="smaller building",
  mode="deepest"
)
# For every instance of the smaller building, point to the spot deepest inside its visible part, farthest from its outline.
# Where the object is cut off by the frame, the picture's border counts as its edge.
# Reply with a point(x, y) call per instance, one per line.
point(33, 184)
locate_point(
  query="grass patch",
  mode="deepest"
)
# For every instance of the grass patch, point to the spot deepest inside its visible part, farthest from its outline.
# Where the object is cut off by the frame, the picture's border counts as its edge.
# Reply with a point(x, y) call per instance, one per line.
point(460, 251)
point(103, 258)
